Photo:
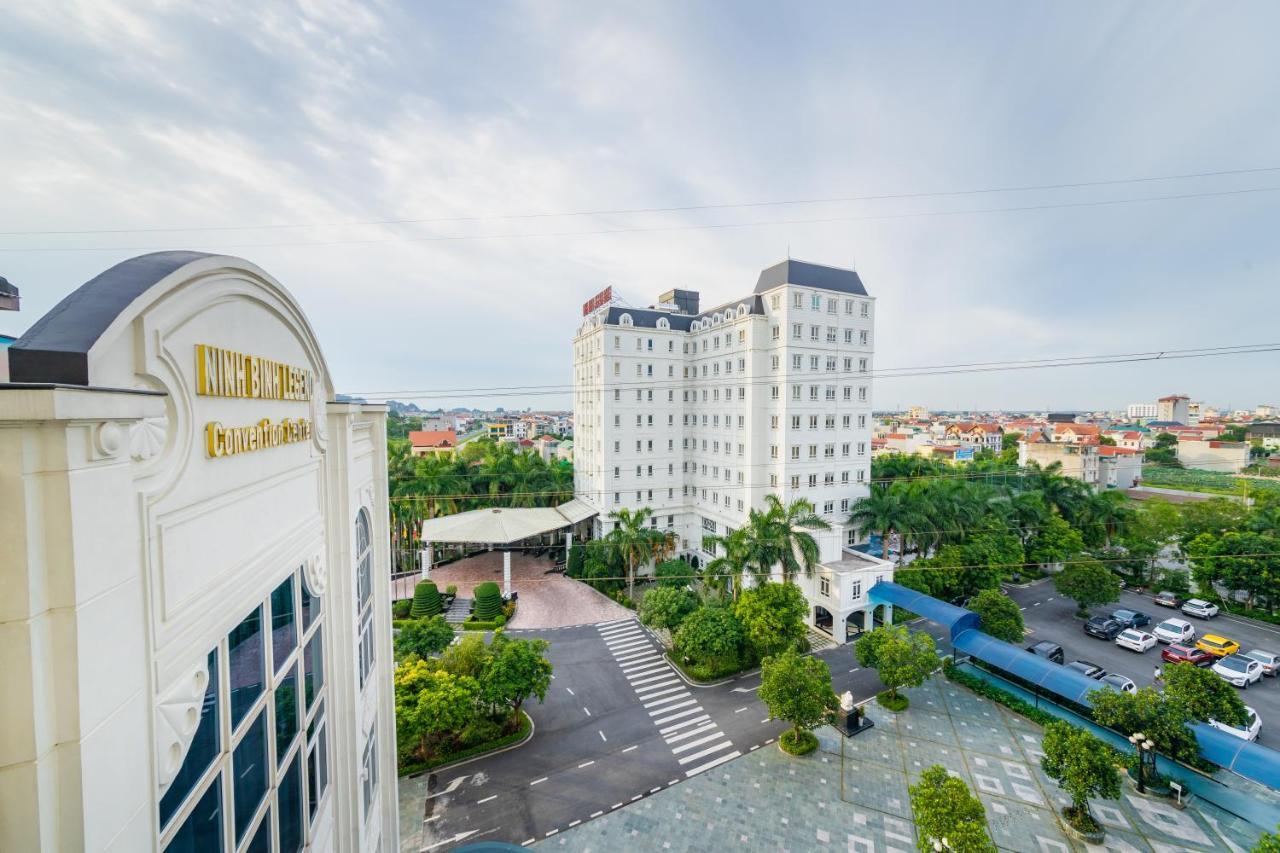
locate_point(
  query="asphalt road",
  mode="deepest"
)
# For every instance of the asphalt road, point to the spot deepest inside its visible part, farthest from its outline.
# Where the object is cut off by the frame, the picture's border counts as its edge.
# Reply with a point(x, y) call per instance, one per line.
point(1051, 617)
point(597, 747)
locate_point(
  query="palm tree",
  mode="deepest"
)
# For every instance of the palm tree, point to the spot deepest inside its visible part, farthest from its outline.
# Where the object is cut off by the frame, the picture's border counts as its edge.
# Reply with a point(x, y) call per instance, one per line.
point(637, 542)
point(1062, 494)
point(885, 512)
point(725, 572)
point(1108, 510)
point(794, 547)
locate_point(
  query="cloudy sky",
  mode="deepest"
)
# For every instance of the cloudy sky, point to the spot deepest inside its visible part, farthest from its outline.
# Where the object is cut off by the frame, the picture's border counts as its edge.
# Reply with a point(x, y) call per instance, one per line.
point(277, 131)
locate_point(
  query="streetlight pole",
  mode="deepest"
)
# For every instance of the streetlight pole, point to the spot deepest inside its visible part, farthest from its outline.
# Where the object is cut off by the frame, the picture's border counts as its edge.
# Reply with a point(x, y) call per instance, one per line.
point(1137, 740)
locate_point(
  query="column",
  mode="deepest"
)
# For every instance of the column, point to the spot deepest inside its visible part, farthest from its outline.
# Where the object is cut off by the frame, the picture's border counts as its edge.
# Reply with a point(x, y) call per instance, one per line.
point(506, 573)
point(428, 555)
point(568, 543)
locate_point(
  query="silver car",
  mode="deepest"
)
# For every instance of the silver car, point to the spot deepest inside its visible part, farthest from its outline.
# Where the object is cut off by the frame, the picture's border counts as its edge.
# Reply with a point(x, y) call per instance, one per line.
point(1270, 661)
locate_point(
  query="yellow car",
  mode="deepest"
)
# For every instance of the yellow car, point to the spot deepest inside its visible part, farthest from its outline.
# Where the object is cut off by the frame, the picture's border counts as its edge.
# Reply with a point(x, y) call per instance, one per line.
point(1219, 646)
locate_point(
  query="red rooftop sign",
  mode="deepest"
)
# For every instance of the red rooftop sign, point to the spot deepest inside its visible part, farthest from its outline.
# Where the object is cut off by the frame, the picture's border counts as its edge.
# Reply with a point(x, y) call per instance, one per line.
point(601, 298)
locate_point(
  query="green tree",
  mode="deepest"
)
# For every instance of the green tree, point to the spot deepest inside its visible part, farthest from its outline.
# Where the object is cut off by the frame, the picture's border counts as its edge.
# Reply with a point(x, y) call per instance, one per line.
point(885, 511)
point(1088, 583)
point(674, 573)
point(1268, 842)
point(423, 637)
point(1083, 766)
point(430, 704)
point(517, 669)
point(998, 615)
point(773, 616)
point(901, 658)
point(637, 542)
point(1151, 712)
point(576, 560)
point(468, 657)
point(666, 607)
point(712, 637)
point(944, 807)
point(792, 544)
point(1054, 542)
point(797, 689)
point(733, 555)
point(1202, 696)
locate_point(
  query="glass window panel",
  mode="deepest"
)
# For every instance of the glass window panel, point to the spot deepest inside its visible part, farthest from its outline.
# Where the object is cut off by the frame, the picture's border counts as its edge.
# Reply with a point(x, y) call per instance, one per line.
point(249, 773)
point(310, 606)
point(317, 763)
point(291, 807)
point(313, 666)
point(245, 666)
point(261, 842)
point(286, 714)
point(364, 561)
point(204, 749)
point(284, 635)
point(202, 830)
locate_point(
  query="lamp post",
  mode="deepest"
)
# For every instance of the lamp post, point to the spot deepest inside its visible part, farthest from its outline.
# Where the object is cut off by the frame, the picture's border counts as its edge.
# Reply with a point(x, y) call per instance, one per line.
point(1137, 739)
point(1149, 749)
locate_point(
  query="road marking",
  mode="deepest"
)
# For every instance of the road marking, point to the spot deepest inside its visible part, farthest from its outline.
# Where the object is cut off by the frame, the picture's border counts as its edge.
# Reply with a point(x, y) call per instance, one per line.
point(596, 814)
point(536, 781)
point(673, 781)
point(655, 790)
point(1035, 604)
point(855, 669)
point(666, 700)
point(650, 665)
point(636, 797)
point(648, 689)
point(486, 799)
point(453, 786)
point(571, 693)
point(459, 837)
point(740, 710)
point(699, 742)
point(527, 843)
point(585, 764)
point(754, 748)
point(765, 720)
point(678, 715)
point(616, 806)
point(636, 657)
point(631, 645)
point(588, 713)
point(633, 746)
point(434, 817)
point(699, 730)
point(603, 738)
point(574, 823)
point(552, 832)
point(1050, 598)
point(724, 744)
point(713, 763)
point(746, 689)
point(673, 707)
point(655, 693)
point(770, 740)
point(625, 639)
point(680, 725)
point(649, 679)
point(636, 661)
point(1022, 608)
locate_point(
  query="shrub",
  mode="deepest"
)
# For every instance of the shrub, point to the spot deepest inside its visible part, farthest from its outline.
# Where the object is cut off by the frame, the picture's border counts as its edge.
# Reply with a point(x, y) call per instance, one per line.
point(667, 607)
point(426, 600)
point(773, 616)
point(889, 701)
point(674, 573)
point(509, 610)
point(499, 621)
point(577, 556)
point(798, 743)
point(711, 637)
point(488, 601)
point(423, 637)
point(400, 609)
point(452, 589)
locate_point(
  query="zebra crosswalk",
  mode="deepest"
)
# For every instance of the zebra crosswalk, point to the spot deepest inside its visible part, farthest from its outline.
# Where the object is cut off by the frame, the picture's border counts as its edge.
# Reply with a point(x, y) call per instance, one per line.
point(695, 740)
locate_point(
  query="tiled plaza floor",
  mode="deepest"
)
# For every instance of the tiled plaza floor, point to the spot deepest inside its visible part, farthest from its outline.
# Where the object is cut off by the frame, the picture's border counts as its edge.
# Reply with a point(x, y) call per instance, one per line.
point(852, 795)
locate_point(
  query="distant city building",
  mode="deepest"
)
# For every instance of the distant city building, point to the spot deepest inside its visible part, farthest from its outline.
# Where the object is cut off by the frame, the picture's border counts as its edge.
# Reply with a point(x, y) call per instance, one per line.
point(442, 442)
point(1267, 434)
point(1266, 411)
point(1175, 408)
point(981, 436)
point(1142, 411)
point(1227, 457)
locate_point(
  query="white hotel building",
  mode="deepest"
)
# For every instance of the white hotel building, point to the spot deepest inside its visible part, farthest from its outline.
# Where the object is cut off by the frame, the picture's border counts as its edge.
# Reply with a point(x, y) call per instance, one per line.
point(700, 414)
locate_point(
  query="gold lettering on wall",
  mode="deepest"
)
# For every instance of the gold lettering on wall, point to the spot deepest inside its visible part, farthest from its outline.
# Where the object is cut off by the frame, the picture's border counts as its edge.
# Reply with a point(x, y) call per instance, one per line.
point(227, 373)
point(230, 441)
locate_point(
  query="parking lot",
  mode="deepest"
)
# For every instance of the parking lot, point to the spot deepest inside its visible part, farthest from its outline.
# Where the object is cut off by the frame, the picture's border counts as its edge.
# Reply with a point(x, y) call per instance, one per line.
point(1051, 617)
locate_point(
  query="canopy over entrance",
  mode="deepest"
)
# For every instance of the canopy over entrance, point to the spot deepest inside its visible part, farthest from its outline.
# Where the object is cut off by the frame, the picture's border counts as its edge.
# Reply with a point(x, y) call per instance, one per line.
point(502, 526)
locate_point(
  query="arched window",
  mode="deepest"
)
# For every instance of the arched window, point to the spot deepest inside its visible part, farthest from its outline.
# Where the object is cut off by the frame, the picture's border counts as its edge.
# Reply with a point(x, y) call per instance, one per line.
point(663, 324)
point(624, 320)
point(364, 594)
point(742, 310)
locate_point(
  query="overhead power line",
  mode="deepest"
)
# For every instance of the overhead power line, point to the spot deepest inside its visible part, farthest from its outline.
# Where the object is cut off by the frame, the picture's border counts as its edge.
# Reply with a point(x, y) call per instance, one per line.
point(444, 238)
point(179, 229)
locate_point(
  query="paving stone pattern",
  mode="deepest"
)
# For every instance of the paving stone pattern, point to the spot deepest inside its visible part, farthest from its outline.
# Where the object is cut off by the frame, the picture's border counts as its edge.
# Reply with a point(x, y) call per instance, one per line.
point(851, 794)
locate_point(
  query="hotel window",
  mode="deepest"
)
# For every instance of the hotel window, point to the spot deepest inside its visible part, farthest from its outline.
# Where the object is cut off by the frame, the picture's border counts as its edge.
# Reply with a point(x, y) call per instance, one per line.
point(617, 395)
point(639, 345)
point(617, 369)
point(774, 362)
point(237, 775)
point(832, 305)
point(776, 332)
point(364, 586)
point(773, 422)
point(815, 302)
point(617, 497)
point(813, 362)
point(369, 770)
point(813, 481)
point(862, 421)
point(797, 300)
point(848, 365)
point(824, 586)
point(848, 393)
point(813, 333)
point(851, 539)
point(829, 478)
point(862, 337)
point(775, 302)
point(862, 448)
point(773, 392)
point(866, 309)
point(831, 362)
point(855, 586)
point(862, 475)
point(831, 392)
point(862, 393)
point(796, 331)
point(848, 306)
point(830, 422)
point(813, 392)
point(828, 507)
point(844, 505)
point(742, 336)
point(862, 365)
point(795, 451)
point(617, 420)
point(844, 421)
point(813, 451)
point(844, 449)
point(848, 336)
point(795, 392)
point(831, 334)
point(617, 342)
point(829, 451)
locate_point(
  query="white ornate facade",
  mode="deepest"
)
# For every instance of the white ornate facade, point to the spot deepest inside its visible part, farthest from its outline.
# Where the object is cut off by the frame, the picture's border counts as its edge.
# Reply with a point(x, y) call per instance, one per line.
point(195, 626)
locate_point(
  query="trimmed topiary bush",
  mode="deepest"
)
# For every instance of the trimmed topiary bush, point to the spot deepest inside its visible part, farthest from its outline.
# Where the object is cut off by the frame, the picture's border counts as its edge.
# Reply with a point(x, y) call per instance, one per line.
point(426, 600)
point(488, 602)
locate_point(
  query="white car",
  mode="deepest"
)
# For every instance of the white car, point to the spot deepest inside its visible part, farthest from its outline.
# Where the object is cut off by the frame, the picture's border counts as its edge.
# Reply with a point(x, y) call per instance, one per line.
point(1134, 640)
point(1249, 731)
point(1239, 670)
point(1200, 607)
point(1175, 631)
point(1116, 681)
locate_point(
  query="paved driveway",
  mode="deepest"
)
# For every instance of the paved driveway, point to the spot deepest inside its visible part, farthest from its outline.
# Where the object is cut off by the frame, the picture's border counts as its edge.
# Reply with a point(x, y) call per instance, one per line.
point(1051, 617)
point(546, 600)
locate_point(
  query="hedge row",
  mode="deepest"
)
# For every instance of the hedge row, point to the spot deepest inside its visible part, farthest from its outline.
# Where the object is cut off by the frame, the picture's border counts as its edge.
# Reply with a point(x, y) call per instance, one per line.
point(472, 751)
